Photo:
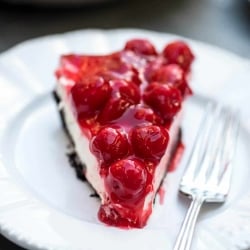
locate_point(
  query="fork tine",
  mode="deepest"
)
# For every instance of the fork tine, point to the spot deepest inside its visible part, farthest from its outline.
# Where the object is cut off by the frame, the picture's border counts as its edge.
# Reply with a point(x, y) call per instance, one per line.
point(228, 154)
point(198, 145)
point(212, 145)
point(217, 159)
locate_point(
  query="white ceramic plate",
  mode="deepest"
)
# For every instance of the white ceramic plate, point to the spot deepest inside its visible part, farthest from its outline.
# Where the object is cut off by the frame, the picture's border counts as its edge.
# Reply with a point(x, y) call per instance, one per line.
point(44, 206)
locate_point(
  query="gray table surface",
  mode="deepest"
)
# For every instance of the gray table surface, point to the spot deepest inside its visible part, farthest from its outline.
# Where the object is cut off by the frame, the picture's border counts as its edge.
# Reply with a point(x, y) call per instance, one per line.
point(224, 23)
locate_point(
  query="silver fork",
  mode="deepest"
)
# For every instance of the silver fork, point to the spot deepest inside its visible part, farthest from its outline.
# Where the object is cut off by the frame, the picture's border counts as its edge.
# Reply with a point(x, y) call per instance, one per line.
point(208, 174)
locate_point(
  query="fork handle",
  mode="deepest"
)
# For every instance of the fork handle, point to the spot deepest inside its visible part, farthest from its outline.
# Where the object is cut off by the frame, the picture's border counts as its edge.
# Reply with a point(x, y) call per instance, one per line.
point(186, 233)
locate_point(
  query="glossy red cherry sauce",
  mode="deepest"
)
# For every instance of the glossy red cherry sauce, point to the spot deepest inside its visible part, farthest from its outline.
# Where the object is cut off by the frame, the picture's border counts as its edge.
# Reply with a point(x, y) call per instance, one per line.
point(125, 102)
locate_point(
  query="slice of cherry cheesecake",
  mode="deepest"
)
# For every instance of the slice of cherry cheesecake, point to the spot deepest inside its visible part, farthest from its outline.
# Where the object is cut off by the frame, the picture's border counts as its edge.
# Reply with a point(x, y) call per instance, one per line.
point(122, 112)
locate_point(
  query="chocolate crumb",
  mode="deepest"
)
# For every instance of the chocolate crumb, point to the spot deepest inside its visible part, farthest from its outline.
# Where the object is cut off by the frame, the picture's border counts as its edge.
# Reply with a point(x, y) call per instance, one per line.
point(76, 164)
point(95, 195)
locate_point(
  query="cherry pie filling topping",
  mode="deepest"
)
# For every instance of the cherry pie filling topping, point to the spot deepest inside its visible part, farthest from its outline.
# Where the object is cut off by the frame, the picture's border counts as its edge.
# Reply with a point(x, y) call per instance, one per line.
point(125, 102)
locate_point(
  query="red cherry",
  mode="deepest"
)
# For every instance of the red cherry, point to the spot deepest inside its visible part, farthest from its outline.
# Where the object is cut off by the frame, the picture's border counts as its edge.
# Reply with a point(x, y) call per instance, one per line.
point(128, 91)
point(148, 115)
point(126, 179)
point(163, 99)
point(121, 68)
point(141, 46)
point(110, 144)
point(152, 67)
point(135, 76)
point(172, 75)
point(89, 95)
point(124, 94)
point(114, 108)
point(149, 141)
point(178, 52)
